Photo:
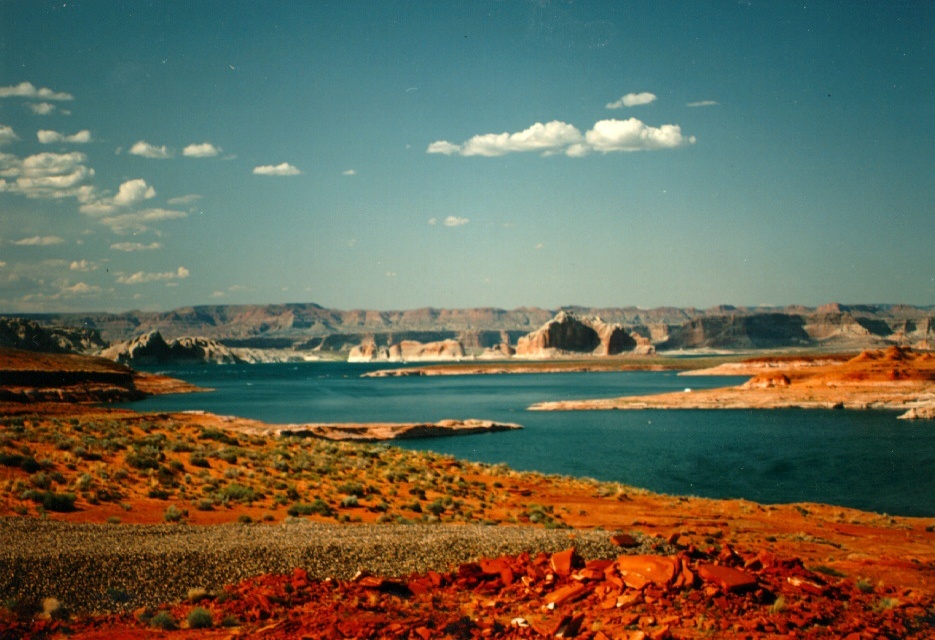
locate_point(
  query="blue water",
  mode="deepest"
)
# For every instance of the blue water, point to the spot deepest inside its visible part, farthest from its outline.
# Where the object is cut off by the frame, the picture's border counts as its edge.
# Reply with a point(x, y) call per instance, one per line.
point(863, 459)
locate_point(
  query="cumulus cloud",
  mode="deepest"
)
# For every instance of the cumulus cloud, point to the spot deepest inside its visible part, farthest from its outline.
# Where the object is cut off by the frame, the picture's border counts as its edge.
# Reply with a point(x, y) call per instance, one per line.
point(283, 169)
point(47, 175)
point(634, 135)
point(135, 246)
point(560, 137)
point(52, 137)
point(7, 135)
point(29, 91)
point(39, 241)
point(142, 277)
point(544, 138)
point(130, 194)
point(202, 150)
point(146, 150)
point(455, 221)
point(632, 100)
point(82, 265)
point(703, 103)
point(349, 172)
point(80, 289)
point(139, 221)
point(41, 108)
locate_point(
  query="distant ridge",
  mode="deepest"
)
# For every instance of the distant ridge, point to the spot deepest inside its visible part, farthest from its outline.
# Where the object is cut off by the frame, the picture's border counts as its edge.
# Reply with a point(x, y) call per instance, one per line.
point(311, 327)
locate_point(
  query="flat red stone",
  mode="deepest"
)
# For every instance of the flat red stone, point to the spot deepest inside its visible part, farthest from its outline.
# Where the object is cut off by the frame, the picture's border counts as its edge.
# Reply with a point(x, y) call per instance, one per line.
point(568, 592)
point(565, 561)
point(639, 571)
point(728, 579)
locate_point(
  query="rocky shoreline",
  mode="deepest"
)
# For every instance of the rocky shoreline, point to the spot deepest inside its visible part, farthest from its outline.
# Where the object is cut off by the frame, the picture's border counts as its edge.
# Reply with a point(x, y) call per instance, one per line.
point(105, 568)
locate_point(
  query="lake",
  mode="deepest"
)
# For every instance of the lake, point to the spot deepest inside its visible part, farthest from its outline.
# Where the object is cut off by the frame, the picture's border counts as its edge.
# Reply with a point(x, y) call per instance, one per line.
point(863, 459)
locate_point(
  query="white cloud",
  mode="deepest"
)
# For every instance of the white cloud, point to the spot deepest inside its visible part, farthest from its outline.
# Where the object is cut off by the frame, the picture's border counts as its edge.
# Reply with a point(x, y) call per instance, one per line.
point(138, 221)
point(7, 135)
point(47, 175)
point(142, 277)
point(39, 241)
point(129, 194)
point(80, 289)
point(703, 103)
point(202, 150)
point(283, 169)
point(28, 90)
point(634, 135)
point(146, 150)
point(41, 108)
point(433, 221)
point(135, 246)
point(632, 100)
point(186, 199)
point(455, 221)
point(444, 147)
point(82, 265)
point(560, 137)
point(52, 137)
point(545, 138)
point(349, 172)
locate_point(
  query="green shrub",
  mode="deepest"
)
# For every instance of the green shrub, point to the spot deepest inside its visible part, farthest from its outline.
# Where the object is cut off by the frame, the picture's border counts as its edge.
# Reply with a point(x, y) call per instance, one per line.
point(197, 459)
point(200, 618)
point(163, 620)
point(319, 507)
point(174, 514)
point(349, 501)
point(51, 501)
point(238, 493)
point(353, 489)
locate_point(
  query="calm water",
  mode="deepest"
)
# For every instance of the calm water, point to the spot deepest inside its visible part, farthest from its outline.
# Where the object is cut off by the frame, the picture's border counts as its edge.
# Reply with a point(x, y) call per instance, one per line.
point(867, 460)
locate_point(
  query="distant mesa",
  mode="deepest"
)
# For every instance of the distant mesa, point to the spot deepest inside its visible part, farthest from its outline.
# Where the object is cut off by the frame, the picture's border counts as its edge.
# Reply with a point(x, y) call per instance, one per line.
point(152, 349)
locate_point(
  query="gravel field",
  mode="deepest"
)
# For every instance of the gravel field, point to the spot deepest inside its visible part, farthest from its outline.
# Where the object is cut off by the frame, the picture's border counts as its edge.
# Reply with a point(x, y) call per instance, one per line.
point(106, 568)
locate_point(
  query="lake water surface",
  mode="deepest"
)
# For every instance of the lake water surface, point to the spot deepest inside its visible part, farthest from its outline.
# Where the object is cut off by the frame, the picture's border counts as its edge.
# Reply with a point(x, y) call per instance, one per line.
point(863, 459)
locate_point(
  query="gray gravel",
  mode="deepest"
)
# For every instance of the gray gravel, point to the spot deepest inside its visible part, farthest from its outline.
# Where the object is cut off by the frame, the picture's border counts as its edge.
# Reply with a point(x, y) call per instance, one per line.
point(105, 568)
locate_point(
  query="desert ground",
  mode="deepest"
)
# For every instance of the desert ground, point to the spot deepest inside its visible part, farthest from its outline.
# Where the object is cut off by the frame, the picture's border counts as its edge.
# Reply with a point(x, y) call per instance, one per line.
point(131, 525)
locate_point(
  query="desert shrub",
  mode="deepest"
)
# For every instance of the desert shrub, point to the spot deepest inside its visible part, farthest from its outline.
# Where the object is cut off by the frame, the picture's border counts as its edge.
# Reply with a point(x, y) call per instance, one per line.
point(218, 436)
point(51, 501)
point(197, 459)
point(84, 482)
point(200, 618)
point(157, 493)
point(436, 508)
point(163, 620)
point(145, 457)
point(238, 493)
point(174, 514)
point(353, 489)
point(243, 518)
point(40, 480)
point(349, 501)
point(26, 463)
point(230, 621)
point(228, 455)
point(205, 504)
point(319, 507)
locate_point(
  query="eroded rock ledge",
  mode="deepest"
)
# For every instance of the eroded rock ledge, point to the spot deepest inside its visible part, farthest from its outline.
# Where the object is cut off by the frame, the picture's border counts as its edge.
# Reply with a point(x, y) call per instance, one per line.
point(363, 431)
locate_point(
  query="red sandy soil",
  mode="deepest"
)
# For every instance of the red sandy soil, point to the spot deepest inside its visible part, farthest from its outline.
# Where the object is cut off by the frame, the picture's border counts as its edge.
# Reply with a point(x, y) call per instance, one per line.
point(805, 570)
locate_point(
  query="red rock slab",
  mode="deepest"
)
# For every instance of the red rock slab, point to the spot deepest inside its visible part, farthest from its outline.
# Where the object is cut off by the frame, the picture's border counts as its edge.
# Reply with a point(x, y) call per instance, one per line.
point(569, 592)
point(624, 540)
point(639, 571)
point(729, 580)
point(564, 562)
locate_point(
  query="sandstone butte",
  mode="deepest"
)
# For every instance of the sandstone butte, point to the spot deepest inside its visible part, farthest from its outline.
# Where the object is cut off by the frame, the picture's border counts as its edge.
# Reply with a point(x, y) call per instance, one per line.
point(718, 569)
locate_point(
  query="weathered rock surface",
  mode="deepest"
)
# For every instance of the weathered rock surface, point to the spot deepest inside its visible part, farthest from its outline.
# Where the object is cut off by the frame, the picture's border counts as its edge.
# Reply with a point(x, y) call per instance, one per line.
point(151, 348)
point(20, 333)
point(407, 351)
point(567, 333)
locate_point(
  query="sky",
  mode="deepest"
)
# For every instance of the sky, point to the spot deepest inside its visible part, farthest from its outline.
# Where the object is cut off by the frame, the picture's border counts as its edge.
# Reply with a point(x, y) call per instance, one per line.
point(395, 155)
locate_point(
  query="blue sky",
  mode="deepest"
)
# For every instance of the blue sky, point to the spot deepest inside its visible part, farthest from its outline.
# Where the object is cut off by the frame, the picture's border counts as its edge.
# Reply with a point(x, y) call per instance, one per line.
point(393, 155)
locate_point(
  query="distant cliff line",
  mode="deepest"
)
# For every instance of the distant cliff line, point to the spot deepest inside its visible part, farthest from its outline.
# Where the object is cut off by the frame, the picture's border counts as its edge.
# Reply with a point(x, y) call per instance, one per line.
point(311, 327)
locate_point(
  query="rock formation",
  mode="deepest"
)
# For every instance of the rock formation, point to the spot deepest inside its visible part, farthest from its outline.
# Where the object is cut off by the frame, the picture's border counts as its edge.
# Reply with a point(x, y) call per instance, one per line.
point(567, 333)
point(407, 351)
point(20, 333)
point(151, 348)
